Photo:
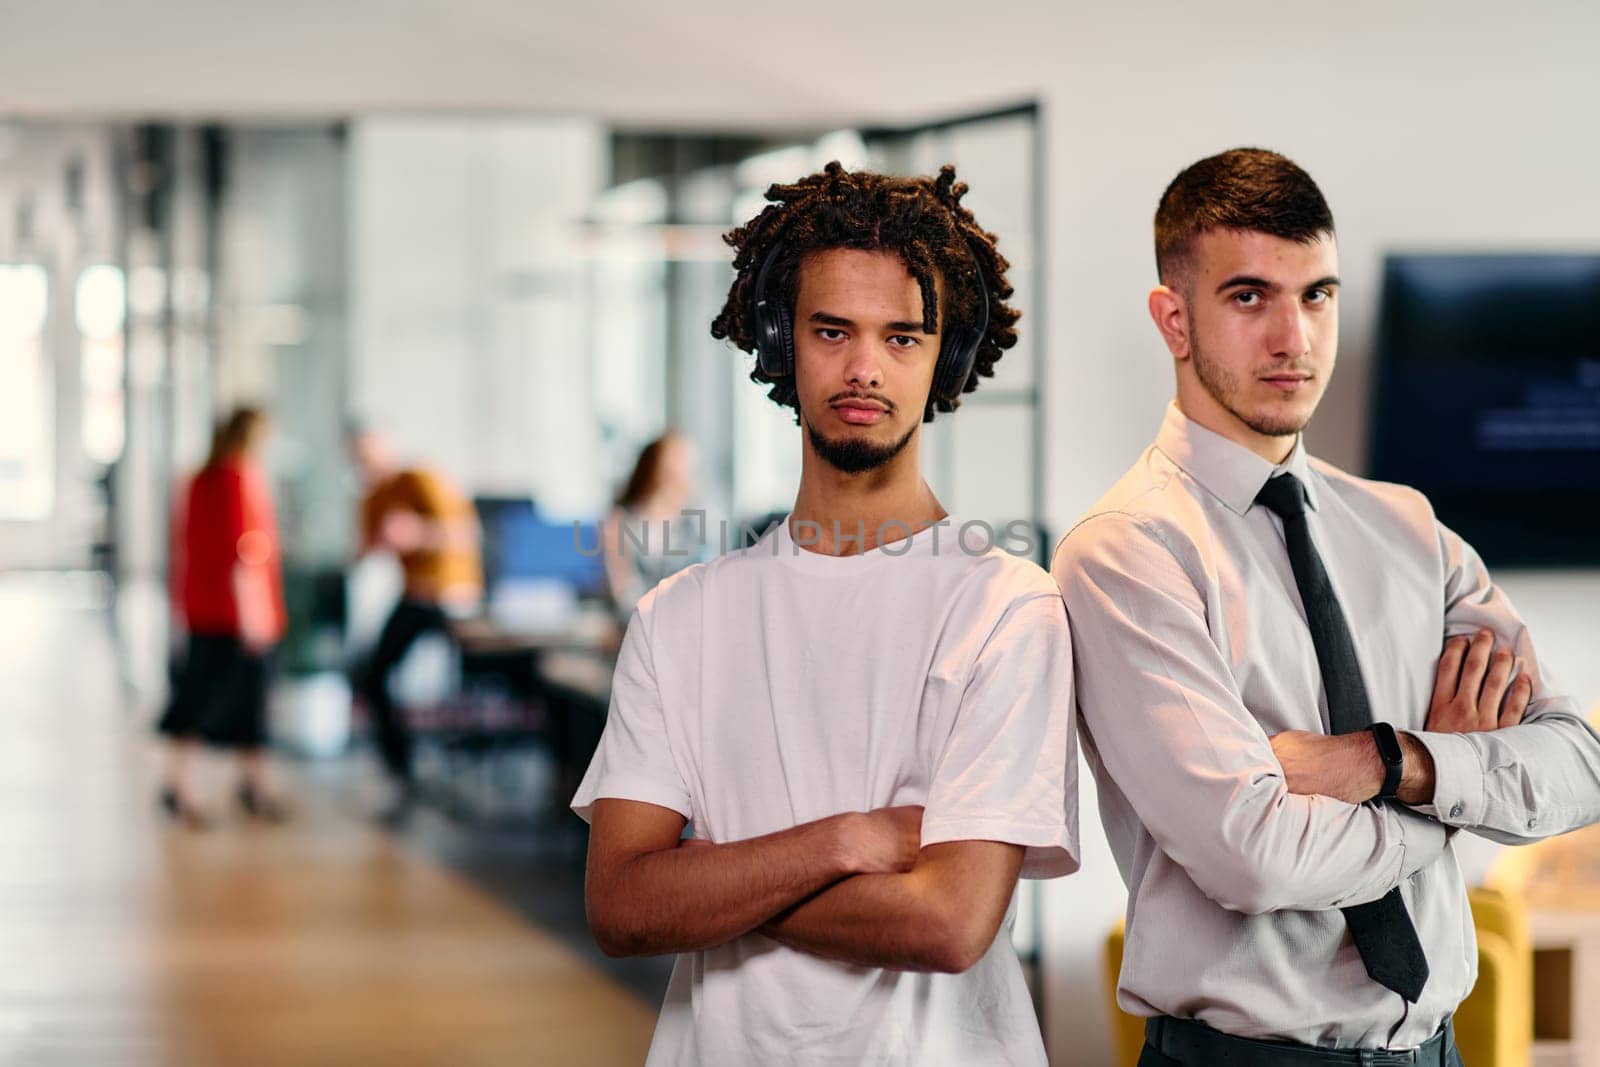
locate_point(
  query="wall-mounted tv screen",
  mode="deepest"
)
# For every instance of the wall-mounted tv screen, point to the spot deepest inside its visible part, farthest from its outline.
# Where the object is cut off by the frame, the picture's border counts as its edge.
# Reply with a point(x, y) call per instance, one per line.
point(1486, 396)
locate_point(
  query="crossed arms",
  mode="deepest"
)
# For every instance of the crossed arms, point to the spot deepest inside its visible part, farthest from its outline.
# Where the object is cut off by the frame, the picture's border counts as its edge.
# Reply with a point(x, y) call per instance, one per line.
point(883, 888)
point(854, 887)
point(1262, 824)
point(1502, 754)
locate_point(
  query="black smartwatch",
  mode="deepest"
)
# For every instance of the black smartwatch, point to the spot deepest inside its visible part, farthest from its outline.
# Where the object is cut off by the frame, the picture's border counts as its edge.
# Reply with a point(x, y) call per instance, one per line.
point(1394, 759)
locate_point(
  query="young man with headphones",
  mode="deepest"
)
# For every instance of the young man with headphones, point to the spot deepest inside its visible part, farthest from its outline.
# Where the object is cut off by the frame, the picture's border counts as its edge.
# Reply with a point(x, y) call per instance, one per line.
point(866, 719)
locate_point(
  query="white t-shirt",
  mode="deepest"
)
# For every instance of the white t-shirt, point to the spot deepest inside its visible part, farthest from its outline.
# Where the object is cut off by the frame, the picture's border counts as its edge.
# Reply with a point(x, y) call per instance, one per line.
point(775, 686)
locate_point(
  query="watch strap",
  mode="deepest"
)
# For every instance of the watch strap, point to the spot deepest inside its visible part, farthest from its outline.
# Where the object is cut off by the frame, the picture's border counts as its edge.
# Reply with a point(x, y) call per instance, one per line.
point(1393, 757)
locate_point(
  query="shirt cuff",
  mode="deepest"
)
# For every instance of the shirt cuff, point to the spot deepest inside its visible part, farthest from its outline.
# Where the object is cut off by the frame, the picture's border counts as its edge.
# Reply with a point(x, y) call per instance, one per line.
point(1423, 839)
point(1458, 795)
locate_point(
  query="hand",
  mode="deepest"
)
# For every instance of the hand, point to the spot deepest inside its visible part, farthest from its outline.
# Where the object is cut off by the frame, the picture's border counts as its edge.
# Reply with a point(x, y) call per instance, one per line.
point(253, 596)
point(1473, 688)
point(884, 841)
point(255, 625)
point(1343, 766)
point(403, 531)
point(256, 637)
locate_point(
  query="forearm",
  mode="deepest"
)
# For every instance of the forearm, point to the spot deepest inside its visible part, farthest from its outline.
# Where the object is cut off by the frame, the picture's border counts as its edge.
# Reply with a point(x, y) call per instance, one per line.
point(690, 898)
point(874, 920)
point(941, 916)
point(1333, 780)
point(1419, 776)
point(1347, 767)
point(1270, 834)
point(251, 593)
point(1518, 784)
point(1317, 853)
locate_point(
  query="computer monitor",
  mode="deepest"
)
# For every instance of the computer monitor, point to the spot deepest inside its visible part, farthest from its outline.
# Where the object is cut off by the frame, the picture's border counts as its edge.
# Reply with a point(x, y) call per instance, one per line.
point(1486, 396)
point(521, 545)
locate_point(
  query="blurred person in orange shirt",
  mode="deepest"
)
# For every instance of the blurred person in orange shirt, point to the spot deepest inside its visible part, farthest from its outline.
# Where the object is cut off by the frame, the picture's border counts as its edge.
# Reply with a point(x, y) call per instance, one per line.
point(227, 594)
point(421, 517)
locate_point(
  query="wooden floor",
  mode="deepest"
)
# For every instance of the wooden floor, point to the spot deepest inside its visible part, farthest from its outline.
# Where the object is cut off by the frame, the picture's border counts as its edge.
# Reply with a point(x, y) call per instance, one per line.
point(125, 941)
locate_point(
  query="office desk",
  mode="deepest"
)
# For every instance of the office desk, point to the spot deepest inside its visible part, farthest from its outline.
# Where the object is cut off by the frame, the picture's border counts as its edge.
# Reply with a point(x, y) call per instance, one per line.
point(482, 635)
point(582, 676)
point(562, 675)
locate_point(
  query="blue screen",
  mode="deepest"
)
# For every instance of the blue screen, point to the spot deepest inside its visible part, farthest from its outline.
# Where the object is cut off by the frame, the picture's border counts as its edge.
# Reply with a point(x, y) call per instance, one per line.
point(521, 544)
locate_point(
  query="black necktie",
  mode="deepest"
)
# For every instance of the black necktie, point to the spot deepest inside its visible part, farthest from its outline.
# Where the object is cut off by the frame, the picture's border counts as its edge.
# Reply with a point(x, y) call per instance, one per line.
point(1382, 929)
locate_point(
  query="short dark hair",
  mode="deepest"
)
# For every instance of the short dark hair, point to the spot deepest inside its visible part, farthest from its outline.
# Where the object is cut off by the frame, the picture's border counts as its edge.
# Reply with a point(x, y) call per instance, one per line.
point(1240, 189)
point(921, 220)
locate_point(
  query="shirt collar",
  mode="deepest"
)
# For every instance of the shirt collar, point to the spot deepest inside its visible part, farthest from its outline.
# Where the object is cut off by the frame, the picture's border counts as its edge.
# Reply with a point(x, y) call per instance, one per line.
point(1227, 470)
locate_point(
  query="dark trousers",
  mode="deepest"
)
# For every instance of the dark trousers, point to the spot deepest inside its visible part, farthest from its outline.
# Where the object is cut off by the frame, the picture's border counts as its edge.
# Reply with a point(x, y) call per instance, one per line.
point(409, 621)
point(1152, 1057)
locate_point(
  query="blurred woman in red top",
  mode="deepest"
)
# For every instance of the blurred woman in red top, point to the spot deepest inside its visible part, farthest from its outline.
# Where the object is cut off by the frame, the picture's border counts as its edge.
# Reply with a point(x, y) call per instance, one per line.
point(227, 589)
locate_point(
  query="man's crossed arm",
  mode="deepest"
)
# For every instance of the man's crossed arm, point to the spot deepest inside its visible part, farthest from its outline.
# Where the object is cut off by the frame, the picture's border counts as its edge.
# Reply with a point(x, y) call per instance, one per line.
point(1513, 760)
point(1476, 687)
point(941, 915)
point(855, 887)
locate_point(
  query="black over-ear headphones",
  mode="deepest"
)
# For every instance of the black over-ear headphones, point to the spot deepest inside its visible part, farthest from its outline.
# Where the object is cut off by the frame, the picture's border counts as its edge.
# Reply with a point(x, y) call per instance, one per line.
point(774, 328)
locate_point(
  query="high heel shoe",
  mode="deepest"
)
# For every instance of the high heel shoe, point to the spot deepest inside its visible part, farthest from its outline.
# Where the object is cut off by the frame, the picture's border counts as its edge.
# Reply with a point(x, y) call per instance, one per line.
point(262, 806)
point(178, 810)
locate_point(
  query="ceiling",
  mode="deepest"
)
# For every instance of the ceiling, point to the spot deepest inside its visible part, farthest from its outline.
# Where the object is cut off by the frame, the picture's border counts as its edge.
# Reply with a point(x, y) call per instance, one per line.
point(706, 63)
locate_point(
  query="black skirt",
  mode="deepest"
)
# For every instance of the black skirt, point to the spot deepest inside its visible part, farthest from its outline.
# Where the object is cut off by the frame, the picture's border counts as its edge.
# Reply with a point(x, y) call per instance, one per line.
point(219, 694)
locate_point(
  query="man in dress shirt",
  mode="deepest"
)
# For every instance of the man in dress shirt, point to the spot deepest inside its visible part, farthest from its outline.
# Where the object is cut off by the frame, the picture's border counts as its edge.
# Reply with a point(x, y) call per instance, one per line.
point(1236, 634)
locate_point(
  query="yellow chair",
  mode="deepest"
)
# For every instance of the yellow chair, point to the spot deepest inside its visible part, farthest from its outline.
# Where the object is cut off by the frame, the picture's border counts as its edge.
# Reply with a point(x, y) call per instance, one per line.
point(1494, 1025)
point(1127, 1031)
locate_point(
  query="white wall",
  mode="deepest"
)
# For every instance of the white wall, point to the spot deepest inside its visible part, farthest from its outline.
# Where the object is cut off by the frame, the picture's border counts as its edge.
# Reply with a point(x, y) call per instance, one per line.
point(467, 327)
point(1427, 126)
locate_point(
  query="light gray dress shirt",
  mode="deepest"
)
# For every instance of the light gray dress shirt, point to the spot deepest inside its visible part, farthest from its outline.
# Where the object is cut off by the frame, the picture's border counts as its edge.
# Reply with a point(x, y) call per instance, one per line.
point(1191, 651)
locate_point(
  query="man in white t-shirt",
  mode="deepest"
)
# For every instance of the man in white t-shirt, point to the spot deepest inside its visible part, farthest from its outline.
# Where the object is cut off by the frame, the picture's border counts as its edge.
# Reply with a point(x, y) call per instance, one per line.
point(866, 718)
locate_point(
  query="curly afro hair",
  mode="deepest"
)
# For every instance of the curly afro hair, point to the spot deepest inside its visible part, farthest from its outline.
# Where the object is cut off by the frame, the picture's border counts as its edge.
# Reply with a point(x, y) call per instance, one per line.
point(921, 220)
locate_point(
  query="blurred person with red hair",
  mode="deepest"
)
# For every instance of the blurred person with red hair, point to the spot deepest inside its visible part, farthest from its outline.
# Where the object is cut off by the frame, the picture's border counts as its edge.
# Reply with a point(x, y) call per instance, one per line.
point(655, 495)
point(227, 592)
